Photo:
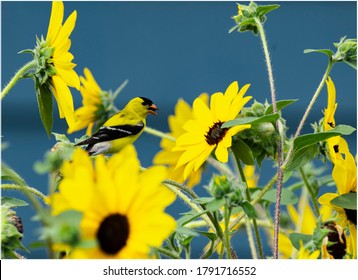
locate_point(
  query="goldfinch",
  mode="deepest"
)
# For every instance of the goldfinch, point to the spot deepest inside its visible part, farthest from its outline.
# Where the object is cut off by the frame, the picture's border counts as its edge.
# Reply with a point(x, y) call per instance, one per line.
point(121, 129)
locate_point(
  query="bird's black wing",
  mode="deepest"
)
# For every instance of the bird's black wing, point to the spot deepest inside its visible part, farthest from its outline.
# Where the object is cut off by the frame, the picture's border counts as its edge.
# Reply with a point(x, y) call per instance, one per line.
point(108, 133)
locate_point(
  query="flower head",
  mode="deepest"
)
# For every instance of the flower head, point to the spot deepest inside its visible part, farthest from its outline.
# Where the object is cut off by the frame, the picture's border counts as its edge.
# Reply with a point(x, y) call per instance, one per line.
point(92, 104)
point(336, 146)
point(122, 207)
point(204, 133)
point(55, 67)
point(345, 176)
point(167, 156)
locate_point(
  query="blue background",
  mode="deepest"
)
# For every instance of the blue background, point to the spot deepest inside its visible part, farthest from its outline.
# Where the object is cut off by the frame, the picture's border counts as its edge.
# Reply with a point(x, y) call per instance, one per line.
point(169, 50)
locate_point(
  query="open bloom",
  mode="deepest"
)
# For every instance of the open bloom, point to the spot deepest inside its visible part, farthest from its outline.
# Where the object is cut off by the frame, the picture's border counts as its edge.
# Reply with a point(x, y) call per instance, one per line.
point(62, 74)
point(204, 133)
point(345, 176)
point(91, 103)
point(167, 156)
point(122, 207)
point(336, 146)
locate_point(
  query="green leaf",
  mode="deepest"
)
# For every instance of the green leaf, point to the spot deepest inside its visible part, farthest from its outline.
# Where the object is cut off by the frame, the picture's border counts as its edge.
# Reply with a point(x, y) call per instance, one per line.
point(12, 202)
point(280, 105)
point(215, 204)
point(301, 157)
point(8, 174)
point(44, 102)
point(295, 239)
point(272, 118)
point(325, 51)
point(262, 10)
point(186, 231)
point(287, 197)
point(61, 138)
point(242, 151)
point(346, 201)
point(313, 138)
point(352, 64)
point(248, 209)
point(190, 217)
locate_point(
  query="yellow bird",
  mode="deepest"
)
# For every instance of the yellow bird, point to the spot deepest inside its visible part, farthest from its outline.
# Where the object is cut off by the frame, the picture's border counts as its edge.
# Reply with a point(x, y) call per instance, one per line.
point(122, 129)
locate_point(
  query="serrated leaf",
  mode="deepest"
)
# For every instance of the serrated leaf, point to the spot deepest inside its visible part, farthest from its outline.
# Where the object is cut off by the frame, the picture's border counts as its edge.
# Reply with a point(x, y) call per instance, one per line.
point(12, 202)
point(8, 174)
point(280, 105)
point(248, 209)
point(325, 51)
point(44, 102)
point(287, 196)
point(242, 151)
point(346, 201)
point(295, 239)
point(272, 118)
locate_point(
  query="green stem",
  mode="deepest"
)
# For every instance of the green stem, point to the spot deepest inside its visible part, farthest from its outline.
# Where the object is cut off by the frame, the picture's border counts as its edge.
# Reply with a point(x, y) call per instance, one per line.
point(250, 237)
point(222, 167)
point(168, 253)
point(280, 141)
point(187, 200)
point(310, 190)
point(226, 231)
point(159, 133)
point(256, 229)
point(119, 89)
point(310, 105)
point(21, 188)
point(18, 75)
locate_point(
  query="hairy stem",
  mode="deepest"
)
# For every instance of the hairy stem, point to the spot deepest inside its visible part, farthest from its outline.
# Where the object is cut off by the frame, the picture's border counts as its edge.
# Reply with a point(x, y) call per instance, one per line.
point(18, 75)
point(21, 188)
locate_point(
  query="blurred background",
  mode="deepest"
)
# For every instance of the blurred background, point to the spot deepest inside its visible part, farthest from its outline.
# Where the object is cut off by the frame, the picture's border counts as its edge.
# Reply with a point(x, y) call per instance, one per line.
point(171, 50)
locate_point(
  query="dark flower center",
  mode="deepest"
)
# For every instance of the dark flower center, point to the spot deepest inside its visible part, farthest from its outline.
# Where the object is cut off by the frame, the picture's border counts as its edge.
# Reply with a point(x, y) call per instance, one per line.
point(215, 133)
point(351, 215)
point(337, 249)
point(336, 149)
point(113, 233)
point(331, 124)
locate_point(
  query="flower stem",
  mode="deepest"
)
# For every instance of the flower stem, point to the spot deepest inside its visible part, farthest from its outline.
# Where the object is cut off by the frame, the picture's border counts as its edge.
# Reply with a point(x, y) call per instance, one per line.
point(168, 253)
point(310, 105)
point(250, 237)
point(280, 141)
point(227, 232)
point(159, 133)
point(256, 229)
point(21, 188)
point(18, 75)
point(310, 190)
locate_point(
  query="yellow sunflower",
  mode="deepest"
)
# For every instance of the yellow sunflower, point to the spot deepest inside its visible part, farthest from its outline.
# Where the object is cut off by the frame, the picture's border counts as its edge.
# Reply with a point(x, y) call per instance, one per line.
point(91, 102)
point(345, 176)
point(204, 133)
point(122, 207)
point(61, 60)
point(167, 156)
point(304, 221)
point(336, 146)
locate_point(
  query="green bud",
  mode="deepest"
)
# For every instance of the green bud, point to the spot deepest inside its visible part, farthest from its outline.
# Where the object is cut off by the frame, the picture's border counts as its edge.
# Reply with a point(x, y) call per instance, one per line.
point(346, 51)
point(236, 198)
point(220, 186)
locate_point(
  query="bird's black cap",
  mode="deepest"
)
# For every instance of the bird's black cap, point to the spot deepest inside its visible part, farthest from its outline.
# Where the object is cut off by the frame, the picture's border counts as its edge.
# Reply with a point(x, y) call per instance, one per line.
point(146, 101)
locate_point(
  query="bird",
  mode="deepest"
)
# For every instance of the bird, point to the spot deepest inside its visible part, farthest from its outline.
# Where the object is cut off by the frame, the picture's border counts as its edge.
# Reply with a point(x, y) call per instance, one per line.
point(122, 129)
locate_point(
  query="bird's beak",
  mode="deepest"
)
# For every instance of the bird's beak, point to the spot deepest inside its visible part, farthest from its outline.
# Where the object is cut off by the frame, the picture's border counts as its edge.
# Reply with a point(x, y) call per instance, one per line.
point(152, 109)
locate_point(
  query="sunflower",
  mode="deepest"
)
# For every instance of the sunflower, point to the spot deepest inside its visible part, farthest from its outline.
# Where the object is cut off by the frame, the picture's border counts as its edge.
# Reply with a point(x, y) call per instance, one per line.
point(89, 113)
point(336, 146)
point(122, 207)
point(345, 176)
point(204, 133)
point(167, 156)
point(62, 74)
point(305, 222)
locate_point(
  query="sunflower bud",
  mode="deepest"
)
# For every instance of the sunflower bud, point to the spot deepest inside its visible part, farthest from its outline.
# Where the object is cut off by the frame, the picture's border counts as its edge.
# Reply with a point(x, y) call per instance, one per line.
point(346, 51)
point(220, 186)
